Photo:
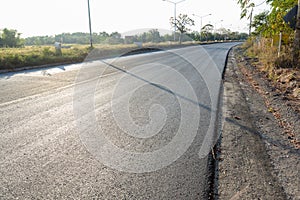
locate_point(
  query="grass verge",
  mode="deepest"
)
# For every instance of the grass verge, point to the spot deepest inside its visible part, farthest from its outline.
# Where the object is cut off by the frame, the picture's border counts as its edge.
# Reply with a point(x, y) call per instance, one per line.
point(14, 58)
point(277, 68)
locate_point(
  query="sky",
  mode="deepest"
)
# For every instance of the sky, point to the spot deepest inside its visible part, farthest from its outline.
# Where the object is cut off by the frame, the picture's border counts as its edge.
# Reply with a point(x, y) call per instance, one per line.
point(50, 17)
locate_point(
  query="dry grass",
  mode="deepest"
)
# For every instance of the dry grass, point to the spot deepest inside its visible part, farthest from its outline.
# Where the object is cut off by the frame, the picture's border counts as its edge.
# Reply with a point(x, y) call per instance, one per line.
point(11, 58)
point(284, 81)
point(278, 69)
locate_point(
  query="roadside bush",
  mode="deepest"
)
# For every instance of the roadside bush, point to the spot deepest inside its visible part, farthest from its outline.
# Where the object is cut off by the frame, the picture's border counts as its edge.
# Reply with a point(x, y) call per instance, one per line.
point(47, 51)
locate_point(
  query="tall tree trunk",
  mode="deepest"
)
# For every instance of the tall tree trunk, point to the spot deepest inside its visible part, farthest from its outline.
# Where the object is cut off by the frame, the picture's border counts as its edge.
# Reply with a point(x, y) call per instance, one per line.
point(296, 48)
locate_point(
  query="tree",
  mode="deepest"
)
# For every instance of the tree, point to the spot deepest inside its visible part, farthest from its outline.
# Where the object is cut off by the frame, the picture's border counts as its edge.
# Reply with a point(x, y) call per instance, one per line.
point(246, 6)
point(260, 23)
point(194, 36)
point(1, 42)
point(182, 22)
point(207, 31)
point(274, 18)
point(115, 38)
point(167, 37)
point(155, 35)
point(276, 23)
point(11, 38)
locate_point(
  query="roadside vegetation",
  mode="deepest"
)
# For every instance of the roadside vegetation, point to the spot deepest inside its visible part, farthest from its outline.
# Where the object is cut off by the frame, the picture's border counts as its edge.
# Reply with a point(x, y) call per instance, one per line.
point(270, 61)
point(274, 45)
point(16, 52)
point(30, 56)
point(11, 58)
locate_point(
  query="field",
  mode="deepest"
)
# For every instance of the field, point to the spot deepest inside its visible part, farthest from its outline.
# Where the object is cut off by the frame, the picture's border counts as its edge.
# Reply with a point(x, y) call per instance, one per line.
point(31, 56)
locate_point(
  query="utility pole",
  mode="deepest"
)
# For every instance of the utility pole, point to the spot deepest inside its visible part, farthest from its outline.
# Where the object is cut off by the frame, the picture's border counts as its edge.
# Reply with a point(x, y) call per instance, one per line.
point(250, 26)
point(175, 24)
point(215, 31)
point(201, 23)
point(90, 24)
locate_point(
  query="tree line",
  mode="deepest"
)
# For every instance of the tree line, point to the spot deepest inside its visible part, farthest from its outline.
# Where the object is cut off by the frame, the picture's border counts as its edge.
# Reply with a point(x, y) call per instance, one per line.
point(152, 36)
point(11, 38)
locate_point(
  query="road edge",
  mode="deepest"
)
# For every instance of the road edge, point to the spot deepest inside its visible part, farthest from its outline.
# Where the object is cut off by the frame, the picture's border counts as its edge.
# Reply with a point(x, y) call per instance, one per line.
point(242, 166)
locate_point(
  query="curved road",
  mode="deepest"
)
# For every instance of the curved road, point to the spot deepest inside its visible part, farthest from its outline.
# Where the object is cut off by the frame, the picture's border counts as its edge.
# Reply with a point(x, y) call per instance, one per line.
point(133, 127)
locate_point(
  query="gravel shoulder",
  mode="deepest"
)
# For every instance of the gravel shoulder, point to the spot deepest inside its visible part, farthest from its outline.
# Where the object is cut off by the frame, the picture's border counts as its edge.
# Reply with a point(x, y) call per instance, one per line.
point(257, 156)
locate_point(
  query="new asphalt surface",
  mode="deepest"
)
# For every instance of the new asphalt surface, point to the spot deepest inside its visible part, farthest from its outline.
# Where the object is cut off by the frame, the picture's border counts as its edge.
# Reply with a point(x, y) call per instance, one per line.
point(132, 127)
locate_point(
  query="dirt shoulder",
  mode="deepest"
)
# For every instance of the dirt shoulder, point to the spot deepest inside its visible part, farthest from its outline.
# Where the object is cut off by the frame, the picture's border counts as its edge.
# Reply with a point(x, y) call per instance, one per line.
point(258, 156)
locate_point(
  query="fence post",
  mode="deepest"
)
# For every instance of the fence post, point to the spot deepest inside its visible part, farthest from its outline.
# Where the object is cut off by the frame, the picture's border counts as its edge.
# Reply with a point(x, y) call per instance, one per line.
point(279, 45)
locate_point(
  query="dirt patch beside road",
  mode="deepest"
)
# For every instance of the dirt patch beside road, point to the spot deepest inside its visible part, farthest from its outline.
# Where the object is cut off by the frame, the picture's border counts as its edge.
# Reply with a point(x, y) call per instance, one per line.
point(257, 158)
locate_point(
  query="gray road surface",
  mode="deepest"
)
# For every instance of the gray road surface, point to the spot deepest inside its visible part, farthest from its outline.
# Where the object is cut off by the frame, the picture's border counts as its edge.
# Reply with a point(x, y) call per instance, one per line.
point(48, 117)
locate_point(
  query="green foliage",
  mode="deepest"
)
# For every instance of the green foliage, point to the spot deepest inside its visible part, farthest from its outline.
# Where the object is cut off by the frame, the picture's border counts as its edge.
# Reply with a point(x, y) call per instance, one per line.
point(76, 38)
point(98, 38)
point(40, 54)
point(10, 38)
point(270, 23)
point(114, 38)
point(220, 34)
point(260, 23)
point(246, 6)
point(152, 36)
point(275, 18)
point(47, 51)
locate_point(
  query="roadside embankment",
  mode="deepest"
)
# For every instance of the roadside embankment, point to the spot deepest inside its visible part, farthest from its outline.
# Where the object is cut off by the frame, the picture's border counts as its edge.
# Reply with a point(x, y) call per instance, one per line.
point(16, 59)
point(256, 160)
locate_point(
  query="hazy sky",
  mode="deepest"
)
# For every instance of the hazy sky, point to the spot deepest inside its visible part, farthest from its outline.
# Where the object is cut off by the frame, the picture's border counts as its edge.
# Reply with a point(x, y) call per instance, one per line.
point(49, 17)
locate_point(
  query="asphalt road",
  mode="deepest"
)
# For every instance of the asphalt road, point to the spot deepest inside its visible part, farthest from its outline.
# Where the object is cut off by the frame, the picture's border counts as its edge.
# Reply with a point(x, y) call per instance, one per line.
point(133, 127)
